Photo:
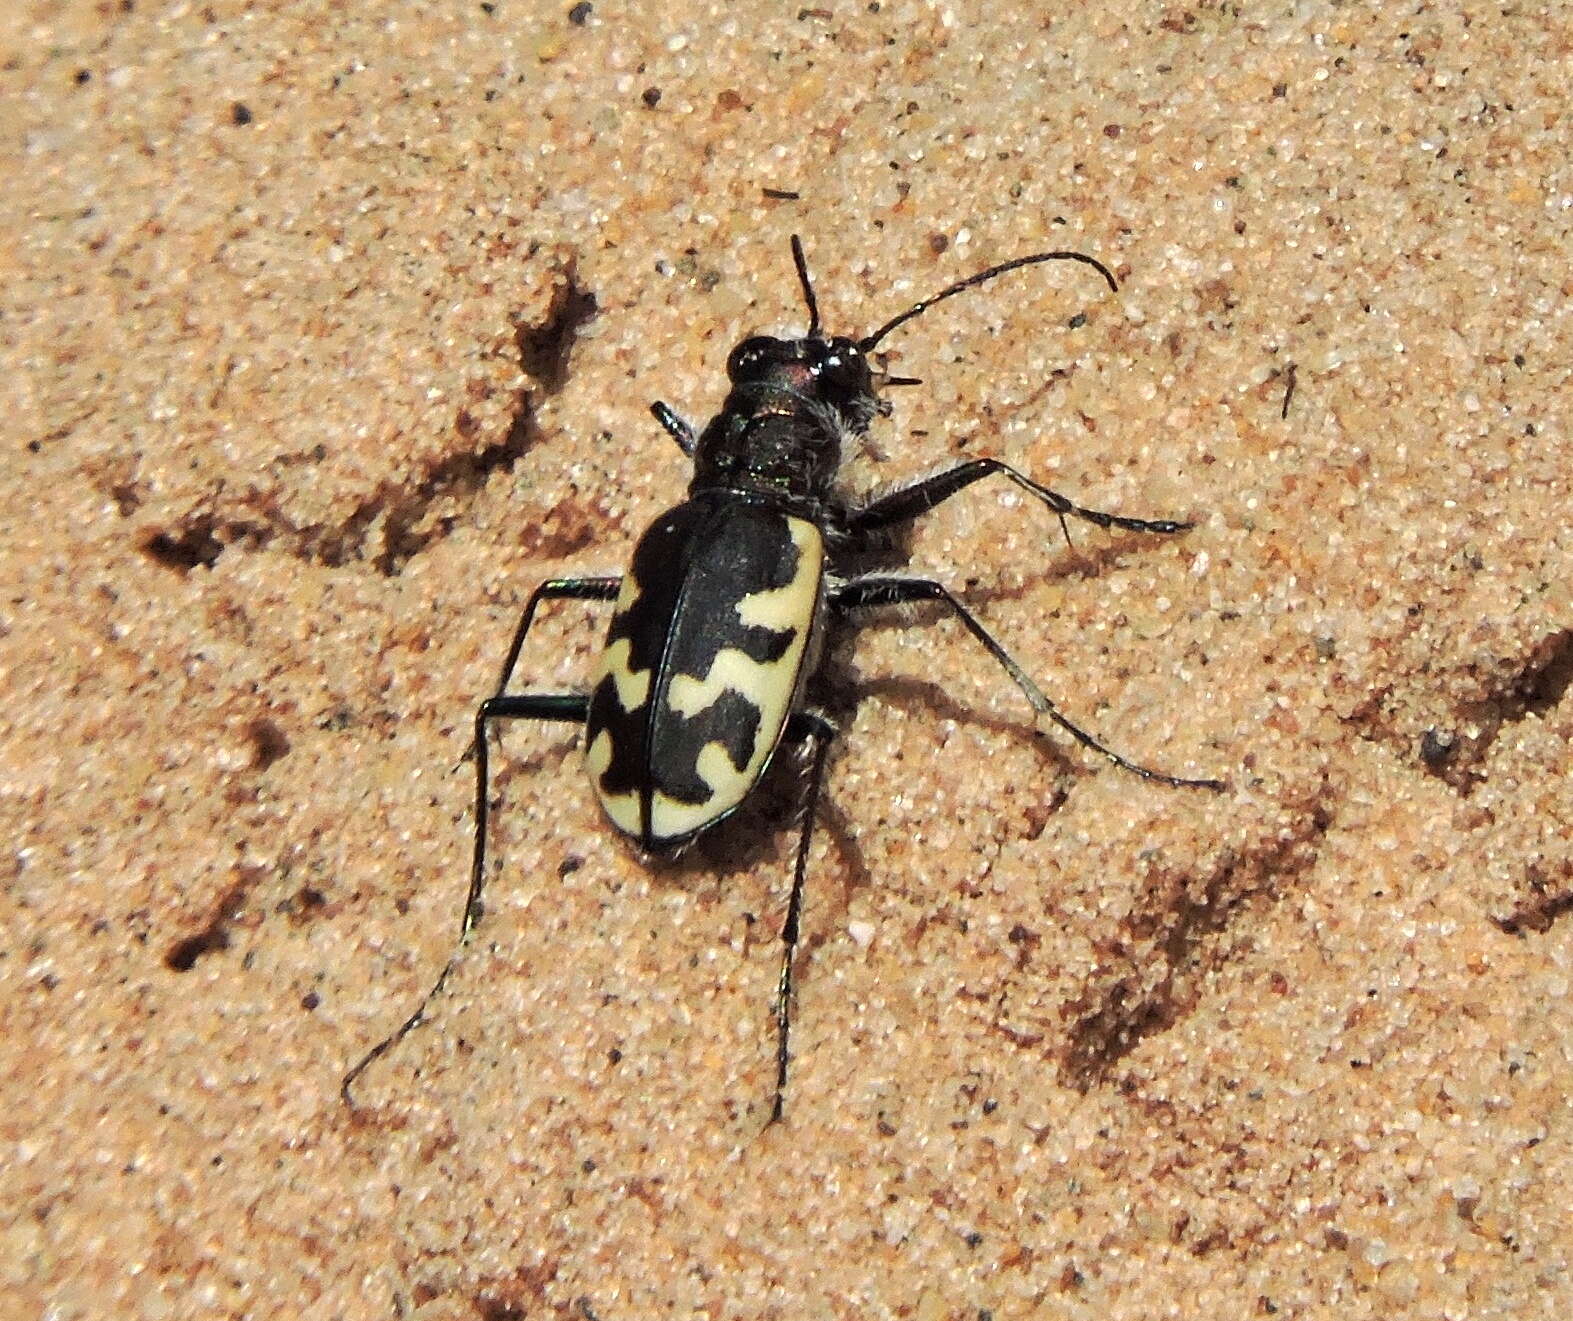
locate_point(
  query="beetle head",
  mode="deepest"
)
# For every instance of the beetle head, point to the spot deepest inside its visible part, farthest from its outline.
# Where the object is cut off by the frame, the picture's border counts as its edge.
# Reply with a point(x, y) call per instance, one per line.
point(833, 372)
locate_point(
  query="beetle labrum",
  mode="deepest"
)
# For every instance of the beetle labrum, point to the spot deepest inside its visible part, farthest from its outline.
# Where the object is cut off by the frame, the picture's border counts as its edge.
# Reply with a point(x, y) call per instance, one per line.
point(717, 624)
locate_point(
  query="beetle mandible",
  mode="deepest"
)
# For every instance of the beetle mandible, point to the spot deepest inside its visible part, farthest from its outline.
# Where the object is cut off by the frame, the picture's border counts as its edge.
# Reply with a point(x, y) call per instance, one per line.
point(717, 624)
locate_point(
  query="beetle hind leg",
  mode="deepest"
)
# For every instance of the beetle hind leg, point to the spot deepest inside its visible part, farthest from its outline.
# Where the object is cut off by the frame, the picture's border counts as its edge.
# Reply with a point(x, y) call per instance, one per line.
point(502, 705)
point(811, 726)
point(569, 707)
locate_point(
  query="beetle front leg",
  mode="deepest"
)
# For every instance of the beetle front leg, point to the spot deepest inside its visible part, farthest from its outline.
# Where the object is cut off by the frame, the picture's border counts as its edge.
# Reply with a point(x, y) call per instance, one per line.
point(890, 590)
point(911, 501)
point(677, 428)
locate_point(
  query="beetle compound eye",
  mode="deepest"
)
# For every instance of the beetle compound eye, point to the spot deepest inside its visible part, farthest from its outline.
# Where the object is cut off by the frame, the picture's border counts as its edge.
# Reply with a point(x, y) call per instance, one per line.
point(843, 372)
point(750, 358)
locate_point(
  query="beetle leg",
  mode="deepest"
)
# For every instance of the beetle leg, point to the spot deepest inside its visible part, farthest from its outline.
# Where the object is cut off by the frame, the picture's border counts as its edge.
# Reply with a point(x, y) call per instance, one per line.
point(567, 707)
point(553, 589)
point(603, 588)
point(802, 725)
point(909, 502)
point(889, 590)
point(677, 428)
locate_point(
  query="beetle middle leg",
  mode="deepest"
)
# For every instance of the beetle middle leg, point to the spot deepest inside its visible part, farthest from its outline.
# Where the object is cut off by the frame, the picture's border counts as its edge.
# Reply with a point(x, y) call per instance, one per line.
point(902, 506)
point(603, 588)
point(884, 589)
point(502, 705)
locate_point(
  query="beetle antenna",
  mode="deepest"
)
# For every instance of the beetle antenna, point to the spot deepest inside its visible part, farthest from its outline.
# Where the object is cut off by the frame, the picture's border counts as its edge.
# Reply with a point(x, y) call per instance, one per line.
point(982, 277)
point(801, 263)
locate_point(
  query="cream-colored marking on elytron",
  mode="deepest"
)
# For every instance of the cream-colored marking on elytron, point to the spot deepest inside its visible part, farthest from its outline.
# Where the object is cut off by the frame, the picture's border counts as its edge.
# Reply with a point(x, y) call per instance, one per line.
point(623, 809)
point(633, 686)
point(627, 594)
point(768, 685)
point(668, 817)
point(793, 605)
point(732, 669)
point(785, 609)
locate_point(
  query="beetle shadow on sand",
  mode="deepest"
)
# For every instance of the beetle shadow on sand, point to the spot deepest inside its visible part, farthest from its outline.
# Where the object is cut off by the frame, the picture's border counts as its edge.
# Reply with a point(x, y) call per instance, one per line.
point(752, 835)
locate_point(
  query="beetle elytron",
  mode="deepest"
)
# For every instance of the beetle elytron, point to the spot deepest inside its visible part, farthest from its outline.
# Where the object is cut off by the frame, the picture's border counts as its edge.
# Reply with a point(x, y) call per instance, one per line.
point(716, 625)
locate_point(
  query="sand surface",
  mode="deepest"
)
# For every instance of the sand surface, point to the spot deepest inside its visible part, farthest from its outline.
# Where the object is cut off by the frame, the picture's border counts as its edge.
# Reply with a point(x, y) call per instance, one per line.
point(329, 331)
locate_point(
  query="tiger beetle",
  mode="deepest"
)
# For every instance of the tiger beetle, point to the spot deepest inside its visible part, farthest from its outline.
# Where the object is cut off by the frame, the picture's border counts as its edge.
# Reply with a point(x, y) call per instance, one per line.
point(717, 626)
